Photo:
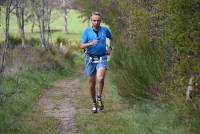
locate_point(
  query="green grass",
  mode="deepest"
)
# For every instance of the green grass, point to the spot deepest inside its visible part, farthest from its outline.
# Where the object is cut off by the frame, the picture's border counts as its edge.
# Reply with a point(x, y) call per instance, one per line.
point(75, 27)
point(142, 117)
point(18, 112)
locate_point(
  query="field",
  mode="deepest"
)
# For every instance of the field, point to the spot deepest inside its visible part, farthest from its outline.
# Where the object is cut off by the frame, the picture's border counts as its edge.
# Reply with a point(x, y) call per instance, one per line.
point(75, 27)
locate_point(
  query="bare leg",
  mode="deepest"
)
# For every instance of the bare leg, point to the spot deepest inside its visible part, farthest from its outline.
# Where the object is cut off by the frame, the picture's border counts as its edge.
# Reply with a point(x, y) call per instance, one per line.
point(92, 83)
point(100, 75)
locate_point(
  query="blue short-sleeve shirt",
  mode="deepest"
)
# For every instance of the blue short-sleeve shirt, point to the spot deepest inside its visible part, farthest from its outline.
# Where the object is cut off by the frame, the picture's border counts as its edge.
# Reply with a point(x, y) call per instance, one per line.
point(89, 35)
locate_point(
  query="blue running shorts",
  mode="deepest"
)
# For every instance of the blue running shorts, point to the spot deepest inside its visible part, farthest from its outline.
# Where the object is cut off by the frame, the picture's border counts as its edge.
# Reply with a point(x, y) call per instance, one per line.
point(90, 68)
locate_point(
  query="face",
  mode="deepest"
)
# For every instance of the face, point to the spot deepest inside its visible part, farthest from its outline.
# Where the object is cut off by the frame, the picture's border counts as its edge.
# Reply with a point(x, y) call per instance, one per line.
point(96, 21)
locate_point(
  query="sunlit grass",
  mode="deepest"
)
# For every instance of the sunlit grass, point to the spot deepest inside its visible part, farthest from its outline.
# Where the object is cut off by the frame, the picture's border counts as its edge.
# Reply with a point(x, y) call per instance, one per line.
point(75, 27)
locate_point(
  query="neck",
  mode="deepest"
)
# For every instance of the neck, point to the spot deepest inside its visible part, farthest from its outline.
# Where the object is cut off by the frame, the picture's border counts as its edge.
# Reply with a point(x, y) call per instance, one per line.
point(96, 28)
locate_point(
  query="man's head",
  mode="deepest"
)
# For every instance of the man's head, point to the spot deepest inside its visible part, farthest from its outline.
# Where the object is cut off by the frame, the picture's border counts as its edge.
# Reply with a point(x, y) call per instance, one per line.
point(96, 20)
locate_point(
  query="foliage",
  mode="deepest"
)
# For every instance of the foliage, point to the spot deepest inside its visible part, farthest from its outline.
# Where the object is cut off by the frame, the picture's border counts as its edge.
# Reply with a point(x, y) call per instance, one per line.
point(183, 29)
point(68, 44)
point(16, 41)
point(34, 57)
point(168, 28)
point(156, 48)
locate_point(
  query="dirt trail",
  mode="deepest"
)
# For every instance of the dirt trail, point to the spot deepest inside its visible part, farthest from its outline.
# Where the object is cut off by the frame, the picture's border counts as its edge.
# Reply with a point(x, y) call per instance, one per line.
point(58, 102)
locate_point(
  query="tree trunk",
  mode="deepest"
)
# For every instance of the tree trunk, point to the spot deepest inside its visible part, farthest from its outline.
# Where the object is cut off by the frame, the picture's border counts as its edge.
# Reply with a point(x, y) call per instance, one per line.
point(22, 27)
point(189, 89)
point(42, 25)
point(20, 21)
point(49, 38)
point(65, 18)
point(0, 17)
point(42, 33)
point(6, 37)
point(33, 24)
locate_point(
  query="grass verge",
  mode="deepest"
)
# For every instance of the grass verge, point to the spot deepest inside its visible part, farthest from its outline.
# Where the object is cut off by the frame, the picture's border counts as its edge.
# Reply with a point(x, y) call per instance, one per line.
point(142, 117)
point(18, 94)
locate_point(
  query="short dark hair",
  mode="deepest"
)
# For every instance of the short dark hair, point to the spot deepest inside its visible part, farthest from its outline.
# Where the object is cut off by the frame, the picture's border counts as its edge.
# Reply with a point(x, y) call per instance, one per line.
point(96, 13)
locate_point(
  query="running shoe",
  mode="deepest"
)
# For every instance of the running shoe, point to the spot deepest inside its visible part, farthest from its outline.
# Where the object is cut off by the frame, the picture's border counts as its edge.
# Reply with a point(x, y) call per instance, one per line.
point(100, 105)
point(94, 108)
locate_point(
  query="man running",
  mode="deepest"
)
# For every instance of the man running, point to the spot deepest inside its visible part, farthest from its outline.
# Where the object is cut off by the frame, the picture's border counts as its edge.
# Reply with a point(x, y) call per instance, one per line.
point(93, 40)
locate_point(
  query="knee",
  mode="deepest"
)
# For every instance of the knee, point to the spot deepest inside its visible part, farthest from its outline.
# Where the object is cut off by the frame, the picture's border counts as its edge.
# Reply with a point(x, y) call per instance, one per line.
point(100, 78)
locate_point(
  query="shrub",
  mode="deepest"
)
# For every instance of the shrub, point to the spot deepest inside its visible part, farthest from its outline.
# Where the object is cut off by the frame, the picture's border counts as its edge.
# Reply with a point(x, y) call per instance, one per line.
point(64, 43)
point(35, 58)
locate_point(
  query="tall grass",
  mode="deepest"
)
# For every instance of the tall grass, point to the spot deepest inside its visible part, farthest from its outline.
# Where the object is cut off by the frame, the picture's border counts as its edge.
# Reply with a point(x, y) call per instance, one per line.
point(140, 67)
point(18, 96)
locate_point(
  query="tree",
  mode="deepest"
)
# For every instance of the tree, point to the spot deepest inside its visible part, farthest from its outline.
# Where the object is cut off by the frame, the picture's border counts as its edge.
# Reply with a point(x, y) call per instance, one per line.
point(19, 12)
point(8, 7)
point(39, 11)
point(65, 6)
point(42, 9)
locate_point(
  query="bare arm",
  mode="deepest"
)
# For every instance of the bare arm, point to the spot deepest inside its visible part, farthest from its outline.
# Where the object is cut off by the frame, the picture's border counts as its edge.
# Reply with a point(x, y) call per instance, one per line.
point(111, 43)
point(110, 46)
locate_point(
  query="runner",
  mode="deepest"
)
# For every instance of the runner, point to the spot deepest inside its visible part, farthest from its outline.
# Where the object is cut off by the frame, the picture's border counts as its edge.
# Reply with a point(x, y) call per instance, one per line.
point(93, 40)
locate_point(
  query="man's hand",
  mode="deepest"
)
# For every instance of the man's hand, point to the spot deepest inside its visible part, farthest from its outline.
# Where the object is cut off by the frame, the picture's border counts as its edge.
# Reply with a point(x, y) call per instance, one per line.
point(108, 51)
point(93, 43)
point(86, 45)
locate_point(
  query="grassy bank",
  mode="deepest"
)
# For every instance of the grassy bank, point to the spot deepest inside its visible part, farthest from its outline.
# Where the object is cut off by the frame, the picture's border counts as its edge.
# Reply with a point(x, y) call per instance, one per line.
point(142, 117)
point(18, 94)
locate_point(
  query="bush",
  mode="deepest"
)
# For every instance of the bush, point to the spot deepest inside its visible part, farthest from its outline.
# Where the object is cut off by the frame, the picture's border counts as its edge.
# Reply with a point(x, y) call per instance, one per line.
point(15, 41)
point(28, 58)
point(139, 68)
point(32, 56)
point(64, 43)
